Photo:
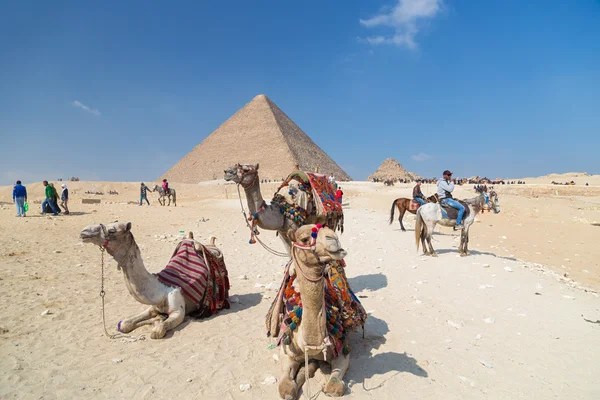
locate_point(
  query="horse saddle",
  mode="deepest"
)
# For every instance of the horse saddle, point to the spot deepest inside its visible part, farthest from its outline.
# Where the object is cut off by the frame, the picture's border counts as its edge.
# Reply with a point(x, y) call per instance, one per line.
point(413, 205)
point(452, 213)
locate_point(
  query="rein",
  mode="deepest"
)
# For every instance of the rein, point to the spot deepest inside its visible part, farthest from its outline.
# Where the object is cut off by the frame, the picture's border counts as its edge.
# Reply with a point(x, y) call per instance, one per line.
point(115, 335)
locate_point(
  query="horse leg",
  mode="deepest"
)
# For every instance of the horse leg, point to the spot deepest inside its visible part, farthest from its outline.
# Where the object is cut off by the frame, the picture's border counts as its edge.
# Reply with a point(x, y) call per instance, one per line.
point(429, 233)
point(423, 234)
point(466, 245)
point(402, 211)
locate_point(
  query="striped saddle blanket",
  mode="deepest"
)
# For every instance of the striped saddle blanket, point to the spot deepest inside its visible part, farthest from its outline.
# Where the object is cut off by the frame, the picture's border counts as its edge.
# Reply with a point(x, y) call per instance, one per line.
point(204, 282)
point(413, 205)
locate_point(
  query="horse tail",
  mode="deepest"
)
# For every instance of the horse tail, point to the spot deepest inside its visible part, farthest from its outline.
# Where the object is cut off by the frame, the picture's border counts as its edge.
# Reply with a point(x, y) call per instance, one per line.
point(174, 193)
point(392, 211)
point(418, 227)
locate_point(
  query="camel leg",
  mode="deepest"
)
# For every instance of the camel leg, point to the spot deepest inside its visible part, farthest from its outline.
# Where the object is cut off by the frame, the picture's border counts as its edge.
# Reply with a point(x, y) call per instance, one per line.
point(288, 389)
point(176, 304)
point(335, 385)
point(286, 241)
point(129, 324)
point(301, 376)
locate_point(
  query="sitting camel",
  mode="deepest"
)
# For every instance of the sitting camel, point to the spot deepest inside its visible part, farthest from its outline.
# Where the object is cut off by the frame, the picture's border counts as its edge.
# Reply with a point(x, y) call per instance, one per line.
point(165, 292)
point(308, 333)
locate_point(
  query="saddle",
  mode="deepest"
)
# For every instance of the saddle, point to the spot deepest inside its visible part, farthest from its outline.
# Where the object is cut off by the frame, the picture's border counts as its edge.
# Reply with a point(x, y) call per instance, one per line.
point(452, 213)
point(413, 206)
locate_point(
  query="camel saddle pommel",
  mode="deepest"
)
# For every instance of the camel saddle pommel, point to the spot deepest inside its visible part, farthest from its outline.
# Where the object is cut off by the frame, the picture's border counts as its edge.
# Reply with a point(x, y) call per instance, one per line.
point(452, 213)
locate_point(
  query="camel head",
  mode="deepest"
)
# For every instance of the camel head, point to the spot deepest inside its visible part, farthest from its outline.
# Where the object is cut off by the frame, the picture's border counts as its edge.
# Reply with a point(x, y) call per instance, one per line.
point(110, 236)
point(244, 175)
point(316, 245)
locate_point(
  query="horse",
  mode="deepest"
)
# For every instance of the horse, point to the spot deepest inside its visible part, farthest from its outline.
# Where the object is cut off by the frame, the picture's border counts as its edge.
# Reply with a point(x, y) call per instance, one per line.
point(388, 182)
point(403, 206)
point(161, 195)
point(429, 215)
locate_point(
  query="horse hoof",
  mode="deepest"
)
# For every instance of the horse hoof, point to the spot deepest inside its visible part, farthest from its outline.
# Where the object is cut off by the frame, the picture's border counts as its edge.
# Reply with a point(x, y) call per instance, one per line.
point(463, 254)
point(434, 255)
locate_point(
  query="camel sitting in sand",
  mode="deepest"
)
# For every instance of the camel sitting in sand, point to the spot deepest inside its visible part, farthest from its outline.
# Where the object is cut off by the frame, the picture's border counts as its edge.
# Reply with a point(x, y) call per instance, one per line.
point(313, 247)
point(175, 298)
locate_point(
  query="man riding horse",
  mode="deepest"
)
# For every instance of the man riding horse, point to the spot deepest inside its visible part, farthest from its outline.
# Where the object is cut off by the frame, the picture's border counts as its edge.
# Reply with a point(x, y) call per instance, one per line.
point(445, 189)
point(418, 195)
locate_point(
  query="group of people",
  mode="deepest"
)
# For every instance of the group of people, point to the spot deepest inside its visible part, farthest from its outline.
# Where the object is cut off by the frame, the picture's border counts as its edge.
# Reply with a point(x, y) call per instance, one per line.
point(445, 187)
point(50, 204)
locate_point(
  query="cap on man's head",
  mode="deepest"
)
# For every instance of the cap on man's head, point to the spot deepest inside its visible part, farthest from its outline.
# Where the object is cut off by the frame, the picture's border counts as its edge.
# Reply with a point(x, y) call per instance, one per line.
point(18, 182)
point(446, 172)
point(63, 185)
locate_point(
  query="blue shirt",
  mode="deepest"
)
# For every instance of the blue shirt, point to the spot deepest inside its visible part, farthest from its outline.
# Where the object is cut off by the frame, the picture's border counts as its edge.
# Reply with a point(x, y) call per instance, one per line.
point(19, 191)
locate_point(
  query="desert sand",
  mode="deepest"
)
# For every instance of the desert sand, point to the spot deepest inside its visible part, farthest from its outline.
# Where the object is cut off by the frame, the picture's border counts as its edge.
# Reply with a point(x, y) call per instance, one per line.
point(518, 319)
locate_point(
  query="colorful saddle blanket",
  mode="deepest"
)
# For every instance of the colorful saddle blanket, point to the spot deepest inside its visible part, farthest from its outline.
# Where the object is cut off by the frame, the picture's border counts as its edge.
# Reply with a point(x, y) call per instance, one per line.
point(344, 311)
point(205, 285)
point(413, 205)
point(327, 209)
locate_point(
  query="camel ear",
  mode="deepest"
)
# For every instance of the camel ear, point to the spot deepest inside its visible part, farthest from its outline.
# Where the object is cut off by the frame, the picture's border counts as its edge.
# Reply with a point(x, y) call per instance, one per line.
point(257, 166)
point(291, 234)
point(128, 228)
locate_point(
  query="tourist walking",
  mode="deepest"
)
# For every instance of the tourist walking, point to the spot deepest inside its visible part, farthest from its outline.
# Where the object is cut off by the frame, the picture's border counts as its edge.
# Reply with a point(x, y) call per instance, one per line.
point(64, 197)
point(339, 195)
point(143, 195)
point(49, 202)
point(20, 198)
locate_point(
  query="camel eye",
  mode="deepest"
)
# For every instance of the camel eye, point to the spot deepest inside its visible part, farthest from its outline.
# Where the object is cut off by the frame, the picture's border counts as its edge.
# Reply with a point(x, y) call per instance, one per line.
point(305, 240)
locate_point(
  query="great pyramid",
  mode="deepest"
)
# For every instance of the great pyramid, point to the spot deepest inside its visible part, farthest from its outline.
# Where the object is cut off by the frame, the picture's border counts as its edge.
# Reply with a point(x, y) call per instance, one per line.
point(390, 167)
point(258, 133)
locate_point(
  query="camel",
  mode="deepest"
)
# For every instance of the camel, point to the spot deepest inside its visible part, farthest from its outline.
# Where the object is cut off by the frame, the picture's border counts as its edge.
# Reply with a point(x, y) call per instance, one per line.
point(313, 247)
point(403, 205)
point(429, 215)
point(162, 195)
point(269, 215)
point(146, 288)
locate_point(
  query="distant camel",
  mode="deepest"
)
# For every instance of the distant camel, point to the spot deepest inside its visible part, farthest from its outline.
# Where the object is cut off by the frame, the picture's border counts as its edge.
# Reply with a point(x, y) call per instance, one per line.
point(162, 195)
point(403, 205)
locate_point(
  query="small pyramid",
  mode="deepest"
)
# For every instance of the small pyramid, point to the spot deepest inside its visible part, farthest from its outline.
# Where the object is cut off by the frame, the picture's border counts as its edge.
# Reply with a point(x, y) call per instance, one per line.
point(392, 168)
point(258, 133)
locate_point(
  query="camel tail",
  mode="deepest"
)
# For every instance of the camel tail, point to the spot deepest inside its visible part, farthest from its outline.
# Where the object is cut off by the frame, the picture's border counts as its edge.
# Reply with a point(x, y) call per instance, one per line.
point(212, 240)
point(418, 228)
point(392, 211)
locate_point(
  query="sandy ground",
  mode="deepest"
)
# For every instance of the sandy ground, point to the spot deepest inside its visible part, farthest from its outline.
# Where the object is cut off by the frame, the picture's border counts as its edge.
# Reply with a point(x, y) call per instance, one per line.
point(503, 323)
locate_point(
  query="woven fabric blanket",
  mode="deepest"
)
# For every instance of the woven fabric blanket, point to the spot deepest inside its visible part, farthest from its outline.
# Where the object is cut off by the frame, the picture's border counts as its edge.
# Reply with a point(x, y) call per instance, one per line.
point(205, 285)
point(413, 205)
point(325, 192)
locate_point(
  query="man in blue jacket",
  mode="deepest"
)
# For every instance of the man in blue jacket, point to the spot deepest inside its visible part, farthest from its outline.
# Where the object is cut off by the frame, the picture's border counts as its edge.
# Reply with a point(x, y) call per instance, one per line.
point(19, 198)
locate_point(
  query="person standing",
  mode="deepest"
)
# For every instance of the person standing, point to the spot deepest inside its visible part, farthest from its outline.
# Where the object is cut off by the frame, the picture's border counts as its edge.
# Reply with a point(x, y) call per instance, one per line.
point(64, 197)
point(19, 198)
point(49, 200)
point(339, 195)
point(143, 195)
point(444, 191)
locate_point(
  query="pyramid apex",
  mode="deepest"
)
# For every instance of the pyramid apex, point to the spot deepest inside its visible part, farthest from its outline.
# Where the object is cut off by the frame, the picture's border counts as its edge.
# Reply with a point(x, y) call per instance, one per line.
point(260, 97)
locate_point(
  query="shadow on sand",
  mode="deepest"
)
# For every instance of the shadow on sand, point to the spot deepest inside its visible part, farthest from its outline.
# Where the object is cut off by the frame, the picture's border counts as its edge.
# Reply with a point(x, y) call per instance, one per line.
point(476, 253)
point(366, 366)
point(368, 282)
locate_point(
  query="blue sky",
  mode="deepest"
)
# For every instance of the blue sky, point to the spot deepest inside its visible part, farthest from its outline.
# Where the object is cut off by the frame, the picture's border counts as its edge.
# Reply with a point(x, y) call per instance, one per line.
point(122, 90)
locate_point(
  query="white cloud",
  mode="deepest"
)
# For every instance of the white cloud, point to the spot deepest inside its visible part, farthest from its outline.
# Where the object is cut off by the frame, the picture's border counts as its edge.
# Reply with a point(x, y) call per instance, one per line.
point(77, 103)
point(404, 18)
point(421, 157)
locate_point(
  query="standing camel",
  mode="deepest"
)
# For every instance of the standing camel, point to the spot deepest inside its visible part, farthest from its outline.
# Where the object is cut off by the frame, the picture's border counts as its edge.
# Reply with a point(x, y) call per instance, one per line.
point(268, 216)
point(403, 205)
point(310, 333)
point(429, 215)
point(174, 299)
point(162, 195)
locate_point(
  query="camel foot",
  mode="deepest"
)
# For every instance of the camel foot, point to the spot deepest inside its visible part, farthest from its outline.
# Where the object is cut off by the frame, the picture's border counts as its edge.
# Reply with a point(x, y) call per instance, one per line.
point(335, 387)
point(124, 327)
point(158, 332)
point(288, 389)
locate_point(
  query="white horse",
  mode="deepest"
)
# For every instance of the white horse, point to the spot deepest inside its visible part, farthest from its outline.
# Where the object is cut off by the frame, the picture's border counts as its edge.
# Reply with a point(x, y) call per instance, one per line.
point(430, 214)
point(162, 195)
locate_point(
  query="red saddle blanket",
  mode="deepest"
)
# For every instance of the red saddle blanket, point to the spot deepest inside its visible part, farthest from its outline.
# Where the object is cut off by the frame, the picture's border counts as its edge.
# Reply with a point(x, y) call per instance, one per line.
point(206, 284)
point(413, 205)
